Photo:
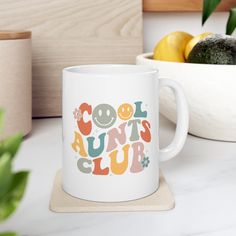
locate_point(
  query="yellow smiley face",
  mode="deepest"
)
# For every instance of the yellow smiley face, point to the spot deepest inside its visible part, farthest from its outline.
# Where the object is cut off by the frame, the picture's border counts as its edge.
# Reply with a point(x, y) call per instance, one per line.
point(125, 111)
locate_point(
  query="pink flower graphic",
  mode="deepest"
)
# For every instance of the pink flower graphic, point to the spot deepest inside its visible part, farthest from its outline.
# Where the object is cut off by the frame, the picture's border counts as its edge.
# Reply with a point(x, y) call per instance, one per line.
point(77, 114)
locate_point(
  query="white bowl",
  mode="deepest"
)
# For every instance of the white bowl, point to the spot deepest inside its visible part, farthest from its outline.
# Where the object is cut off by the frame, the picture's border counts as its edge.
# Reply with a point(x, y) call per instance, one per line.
point(211, 95)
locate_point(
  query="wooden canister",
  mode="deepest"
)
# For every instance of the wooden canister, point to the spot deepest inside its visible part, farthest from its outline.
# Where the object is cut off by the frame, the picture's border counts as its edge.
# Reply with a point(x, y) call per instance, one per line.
point(16, 82)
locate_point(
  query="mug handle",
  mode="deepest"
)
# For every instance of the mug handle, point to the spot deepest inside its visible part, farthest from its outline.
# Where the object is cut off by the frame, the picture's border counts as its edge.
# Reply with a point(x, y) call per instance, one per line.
point(182, 120)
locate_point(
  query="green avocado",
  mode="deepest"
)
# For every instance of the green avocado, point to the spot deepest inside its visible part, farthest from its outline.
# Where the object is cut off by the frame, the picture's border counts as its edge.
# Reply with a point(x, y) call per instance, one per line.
point(215, 49)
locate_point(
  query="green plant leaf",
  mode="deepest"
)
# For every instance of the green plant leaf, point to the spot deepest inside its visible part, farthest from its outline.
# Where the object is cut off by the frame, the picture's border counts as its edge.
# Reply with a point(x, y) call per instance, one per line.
point(11, 145)
point(231, 23)
point(10, 201)
point(8, 234)
point(208, 7)
point(5, 174)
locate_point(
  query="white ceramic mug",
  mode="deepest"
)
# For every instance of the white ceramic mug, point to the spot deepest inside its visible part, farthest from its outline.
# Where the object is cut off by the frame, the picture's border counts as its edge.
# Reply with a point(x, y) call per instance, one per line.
point(110, 131)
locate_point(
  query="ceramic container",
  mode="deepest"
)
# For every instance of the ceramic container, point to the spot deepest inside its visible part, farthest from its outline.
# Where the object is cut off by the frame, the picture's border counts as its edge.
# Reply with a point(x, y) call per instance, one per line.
point(110, 131)
point(15, 81)
point(211, 95)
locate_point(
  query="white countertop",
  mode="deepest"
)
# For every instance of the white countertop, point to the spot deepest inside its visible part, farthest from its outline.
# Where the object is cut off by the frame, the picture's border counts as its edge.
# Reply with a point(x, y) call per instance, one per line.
point(202, 178)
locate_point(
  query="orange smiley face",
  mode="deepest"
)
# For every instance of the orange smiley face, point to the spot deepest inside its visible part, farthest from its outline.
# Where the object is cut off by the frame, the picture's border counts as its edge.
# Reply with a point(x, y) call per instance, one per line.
point(125, 111)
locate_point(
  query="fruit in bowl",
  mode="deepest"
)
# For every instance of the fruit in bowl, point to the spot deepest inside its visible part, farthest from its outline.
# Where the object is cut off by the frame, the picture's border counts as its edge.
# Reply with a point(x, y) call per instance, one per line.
point(209, 88)
point(215, 49)
point(206, 48)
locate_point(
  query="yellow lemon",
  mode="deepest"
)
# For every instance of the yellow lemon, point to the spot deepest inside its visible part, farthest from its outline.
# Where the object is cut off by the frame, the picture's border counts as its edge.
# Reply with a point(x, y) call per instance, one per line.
point(172, 47)
point(193, 42)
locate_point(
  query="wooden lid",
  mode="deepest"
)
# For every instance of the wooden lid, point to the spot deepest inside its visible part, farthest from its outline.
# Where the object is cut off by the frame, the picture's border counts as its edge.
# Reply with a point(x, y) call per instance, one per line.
point(8, 35)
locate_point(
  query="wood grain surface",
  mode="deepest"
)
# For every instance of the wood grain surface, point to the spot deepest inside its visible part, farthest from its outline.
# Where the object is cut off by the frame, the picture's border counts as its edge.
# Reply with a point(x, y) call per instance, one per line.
point(73, 32)
point(182, 5)
point(6, 35)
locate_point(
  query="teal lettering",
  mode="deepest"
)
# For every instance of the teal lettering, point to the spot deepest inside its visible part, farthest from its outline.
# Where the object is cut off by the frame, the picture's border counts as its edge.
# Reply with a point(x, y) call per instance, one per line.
point(94, 152)
point(138, 110)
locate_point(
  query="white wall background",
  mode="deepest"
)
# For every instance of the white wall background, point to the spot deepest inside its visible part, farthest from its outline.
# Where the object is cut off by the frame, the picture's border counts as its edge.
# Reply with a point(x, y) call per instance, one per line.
point(156, 25)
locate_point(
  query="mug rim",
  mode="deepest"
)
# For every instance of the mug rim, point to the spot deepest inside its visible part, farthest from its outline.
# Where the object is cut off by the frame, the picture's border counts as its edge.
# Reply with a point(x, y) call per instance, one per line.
point(112, 69)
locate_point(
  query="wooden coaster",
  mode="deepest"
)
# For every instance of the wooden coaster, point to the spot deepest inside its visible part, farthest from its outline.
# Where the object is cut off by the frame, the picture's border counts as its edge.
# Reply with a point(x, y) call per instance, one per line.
point(161, 200)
